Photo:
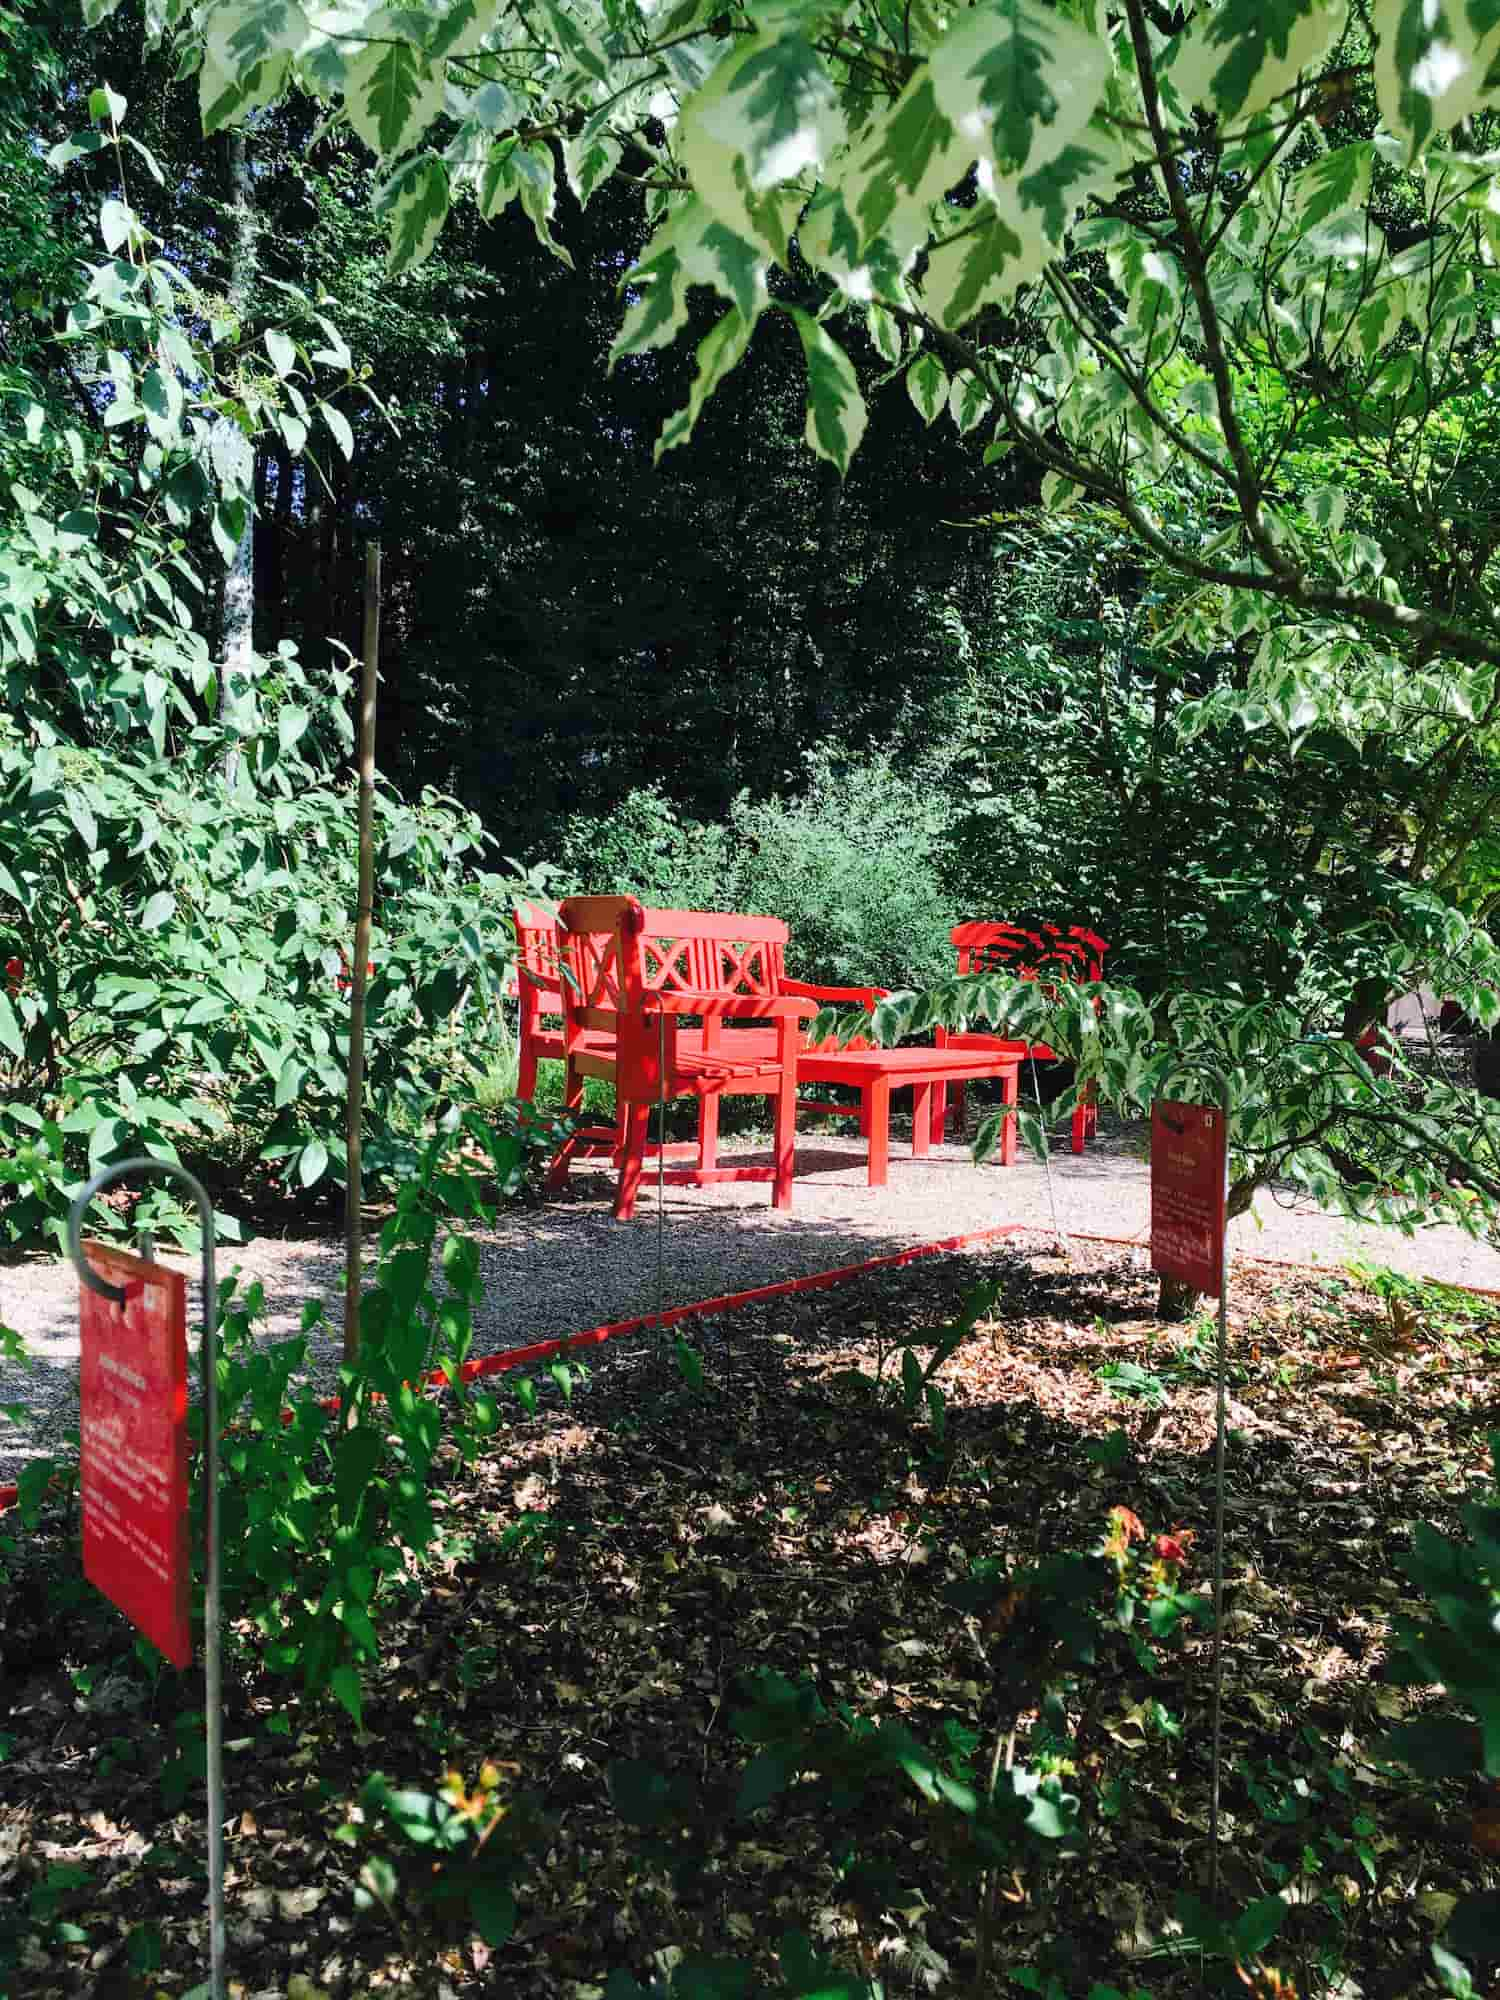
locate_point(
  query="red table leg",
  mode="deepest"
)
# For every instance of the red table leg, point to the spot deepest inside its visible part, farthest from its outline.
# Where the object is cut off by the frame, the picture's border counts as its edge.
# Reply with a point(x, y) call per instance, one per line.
point(921, 1118)
point(879, 1095)
point(1009, 1089)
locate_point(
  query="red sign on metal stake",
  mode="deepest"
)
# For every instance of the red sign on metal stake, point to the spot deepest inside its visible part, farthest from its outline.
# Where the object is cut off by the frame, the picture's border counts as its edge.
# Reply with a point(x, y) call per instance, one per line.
point(1189, 1152)
point(133, 1391)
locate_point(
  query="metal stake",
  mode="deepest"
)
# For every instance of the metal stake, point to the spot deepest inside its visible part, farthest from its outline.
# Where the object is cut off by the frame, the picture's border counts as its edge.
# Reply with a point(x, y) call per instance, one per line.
point(1212, 1069)
point(214, 1721)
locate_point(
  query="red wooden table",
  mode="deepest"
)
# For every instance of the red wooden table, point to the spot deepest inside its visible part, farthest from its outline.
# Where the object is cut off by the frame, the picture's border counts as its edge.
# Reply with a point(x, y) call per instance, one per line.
point(927, 1073)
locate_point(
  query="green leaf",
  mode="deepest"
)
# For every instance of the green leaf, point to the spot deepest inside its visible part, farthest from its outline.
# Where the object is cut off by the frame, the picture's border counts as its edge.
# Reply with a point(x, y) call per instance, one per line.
point(392, 95)
point(283, 351)
point(1020, 81)
point(116, 221)
point(414, 205)
point(1236, 58)
point(493, 1908)
point(719, 351)
point(291, 726)
point(344, 1681)
point(312, 1162)
point(1255, 1927)
point(106, 106)
point(80, 813)
point(359, 1454)
point(927, 385)
point(160, 910)
point(767, 115)
point(339, 425)
point(11, 1037)
point(835, 409)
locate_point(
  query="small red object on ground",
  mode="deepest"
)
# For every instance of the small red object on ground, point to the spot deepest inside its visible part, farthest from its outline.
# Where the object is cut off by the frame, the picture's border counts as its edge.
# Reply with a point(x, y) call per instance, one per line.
point(133, 1456)
point(1188, 1157)
point(15, 973)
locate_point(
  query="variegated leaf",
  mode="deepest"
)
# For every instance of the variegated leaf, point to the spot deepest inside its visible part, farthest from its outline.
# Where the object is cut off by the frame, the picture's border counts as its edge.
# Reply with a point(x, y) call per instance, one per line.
point(1335, 182)
point(1019, 81)
point(456, 27)
point(885, 335)
point(1235, 58)
point(983, 265)
point(414, 205)
point(767, 116)
point(590, 163)
point(1431, 61)
point(578, 49)
point(830, 241)
point(535, 175)
point(692, 247)
point(835, 408)
point(1153, 286)
point(719, 351)
point(240, 34)
point(927, 385)
point(393, 95)
point(908, 160)
point(969, 403)
point(228, 97)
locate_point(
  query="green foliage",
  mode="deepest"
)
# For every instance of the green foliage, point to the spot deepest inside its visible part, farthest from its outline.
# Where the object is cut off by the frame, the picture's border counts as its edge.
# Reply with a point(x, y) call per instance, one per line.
point(322, 1514)
point(1452, 1642)
point(852, 861)
point(177, 842)
point(447, 1859)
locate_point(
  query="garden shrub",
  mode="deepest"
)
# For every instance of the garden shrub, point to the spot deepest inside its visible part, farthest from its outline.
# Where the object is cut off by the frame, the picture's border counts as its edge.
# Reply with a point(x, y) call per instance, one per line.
point(853, 863)
point(180, 940)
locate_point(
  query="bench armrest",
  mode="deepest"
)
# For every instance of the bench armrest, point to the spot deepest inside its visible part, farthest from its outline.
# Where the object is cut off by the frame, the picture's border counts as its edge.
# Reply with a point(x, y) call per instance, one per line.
point(731, 1006)
point(860, 996)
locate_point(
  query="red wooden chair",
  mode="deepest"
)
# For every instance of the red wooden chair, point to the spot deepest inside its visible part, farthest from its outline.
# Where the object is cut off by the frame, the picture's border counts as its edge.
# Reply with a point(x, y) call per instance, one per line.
point(636, 976)
point(538, 990)
point(1026, 952)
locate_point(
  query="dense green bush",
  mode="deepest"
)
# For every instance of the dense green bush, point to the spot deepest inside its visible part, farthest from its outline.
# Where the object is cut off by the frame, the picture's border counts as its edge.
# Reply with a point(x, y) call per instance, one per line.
point(854, 863)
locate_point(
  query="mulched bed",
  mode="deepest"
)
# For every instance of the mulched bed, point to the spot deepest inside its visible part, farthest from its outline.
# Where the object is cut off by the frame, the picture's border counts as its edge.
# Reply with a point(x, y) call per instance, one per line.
point(618, 1562)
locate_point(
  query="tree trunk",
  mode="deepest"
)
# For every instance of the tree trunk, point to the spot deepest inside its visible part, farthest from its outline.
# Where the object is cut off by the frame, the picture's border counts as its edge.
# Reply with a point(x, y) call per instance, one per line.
point(237, 595)
point(1175, 1301)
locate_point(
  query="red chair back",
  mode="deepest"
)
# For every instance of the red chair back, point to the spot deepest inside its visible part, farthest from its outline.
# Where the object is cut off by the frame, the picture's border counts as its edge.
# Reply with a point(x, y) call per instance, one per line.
point(1039, 951)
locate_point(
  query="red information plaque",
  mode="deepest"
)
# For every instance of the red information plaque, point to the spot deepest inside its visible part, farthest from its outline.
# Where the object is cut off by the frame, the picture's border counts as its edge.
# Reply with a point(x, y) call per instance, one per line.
point(133, 1391)
point(1188, 1154)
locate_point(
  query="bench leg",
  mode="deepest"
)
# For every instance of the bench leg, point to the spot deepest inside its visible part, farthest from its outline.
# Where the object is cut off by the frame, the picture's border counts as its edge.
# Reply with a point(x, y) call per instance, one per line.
point(879, 1097)
point(557, 1173)
point(786, 1134)
point(921, 1118)
point(708, 1133)
point(637, 1126)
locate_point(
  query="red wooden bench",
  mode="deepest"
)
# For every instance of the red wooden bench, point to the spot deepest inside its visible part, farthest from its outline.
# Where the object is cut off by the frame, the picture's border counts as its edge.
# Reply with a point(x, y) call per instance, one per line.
point(637, 977)
point(1040, 951)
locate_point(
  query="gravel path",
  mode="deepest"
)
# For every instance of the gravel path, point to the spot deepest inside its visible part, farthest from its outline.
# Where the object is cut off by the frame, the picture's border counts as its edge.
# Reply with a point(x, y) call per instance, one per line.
point(566, 1265)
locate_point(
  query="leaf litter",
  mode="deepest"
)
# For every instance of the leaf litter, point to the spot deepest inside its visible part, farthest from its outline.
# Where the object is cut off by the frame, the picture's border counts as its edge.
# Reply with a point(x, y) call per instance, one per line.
point(613, 1567)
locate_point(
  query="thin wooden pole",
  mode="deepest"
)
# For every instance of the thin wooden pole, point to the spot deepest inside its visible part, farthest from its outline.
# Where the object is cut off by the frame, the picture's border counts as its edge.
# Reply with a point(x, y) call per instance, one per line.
point(363, 918)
